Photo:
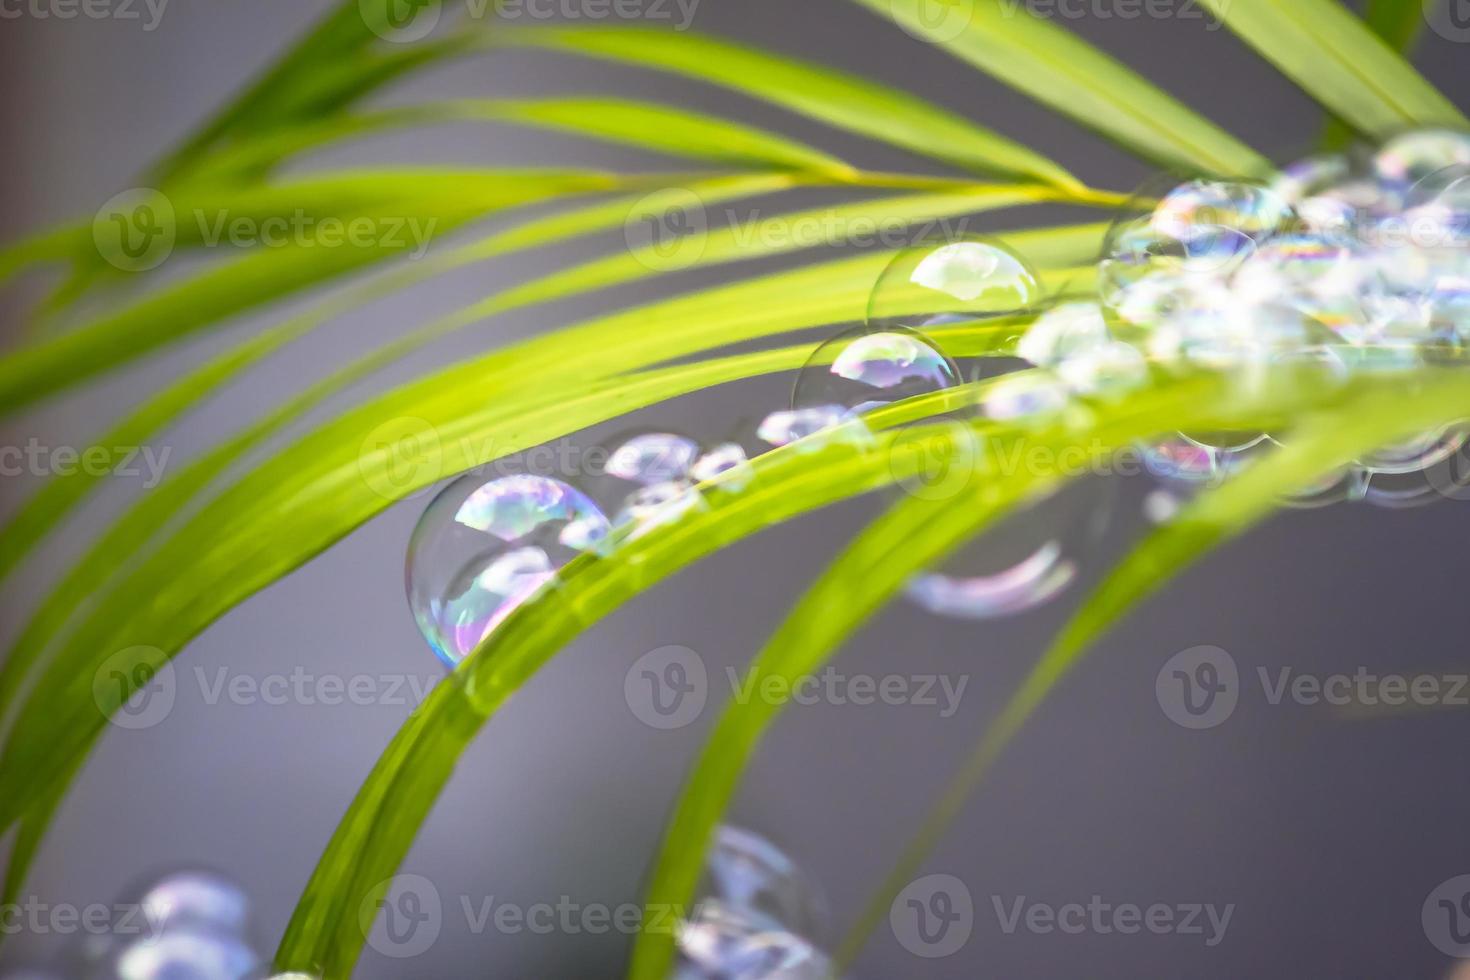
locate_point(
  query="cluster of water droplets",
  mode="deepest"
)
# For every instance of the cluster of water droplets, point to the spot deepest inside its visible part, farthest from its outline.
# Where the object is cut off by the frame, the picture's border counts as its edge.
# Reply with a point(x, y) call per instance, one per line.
point(755, 917)
point(186, 925)
point(1347, 263)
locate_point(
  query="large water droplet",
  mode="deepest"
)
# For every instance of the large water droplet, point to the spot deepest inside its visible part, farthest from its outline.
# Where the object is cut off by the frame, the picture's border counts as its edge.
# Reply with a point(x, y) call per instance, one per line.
point(945, 282)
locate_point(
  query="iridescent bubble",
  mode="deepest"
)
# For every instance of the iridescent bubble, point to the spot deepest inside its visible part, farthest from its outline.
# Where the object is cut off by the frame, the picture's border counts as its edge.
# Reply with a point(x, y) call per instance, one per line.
point(1028, 397)
point(1200, 210)
point(862, 369)
point(745, 871)
point(483, 547)
point(835, 423)
point(185, 954)
point(1407, 159)
point(726, 464)
point(653, 457)
point(196, 898)
point(1062, 332)
point(656, 505)
point(725, 942)
point(951, 282)
point(1307, 178)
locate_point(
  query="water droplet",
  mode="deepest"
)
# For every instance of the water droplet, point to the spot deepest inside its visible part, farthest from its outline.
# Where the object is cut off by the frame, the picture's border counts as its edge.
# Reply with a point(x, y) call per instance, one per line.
point(483, 547)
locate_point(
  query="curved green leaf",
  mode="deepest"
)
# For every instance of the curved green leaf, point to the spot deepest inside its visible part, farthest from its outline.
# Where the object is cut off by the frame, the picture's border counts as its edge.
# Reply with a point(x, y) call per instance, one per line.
point(1003, 38)
point(1330, 438)
point(1331, 54)
point(844, 101)
point(648, 126)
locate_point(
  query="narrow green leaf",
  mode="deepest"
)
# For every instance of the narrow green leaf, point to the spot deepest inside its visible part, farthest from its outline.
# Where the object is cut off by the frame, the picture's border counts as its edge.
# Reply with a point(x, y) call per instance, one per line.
point(1003, 38)
point(839, 100)
point(263, 275)
point(648, 126)
point(1324, 48)
point(319, 489)
point(1399, 24)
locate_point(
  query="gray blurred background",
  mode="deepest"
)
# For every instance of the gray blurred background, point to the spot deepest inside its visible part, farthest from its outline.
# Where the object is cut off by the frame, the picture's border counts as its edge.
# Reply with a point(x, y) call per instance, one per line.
point(1325, 834)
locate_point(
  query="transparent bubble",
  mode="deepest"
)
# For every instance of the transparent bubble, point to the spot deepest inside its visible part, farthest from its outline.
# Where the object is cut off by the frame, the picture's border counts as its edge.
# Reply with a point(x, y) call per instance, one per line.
point(1034, 553)
point(1062, 332)
point(863, 368)
point(657, 505)
point(1198, 230)
point(184, 954)
point(940, 282)
point(724, 942)
point(197, 898)
point(1305, 179)
point(726, 465)
point(653, 457)
point(835, 424)
point(1407, 159)
point(746, 871)
point(483, 547)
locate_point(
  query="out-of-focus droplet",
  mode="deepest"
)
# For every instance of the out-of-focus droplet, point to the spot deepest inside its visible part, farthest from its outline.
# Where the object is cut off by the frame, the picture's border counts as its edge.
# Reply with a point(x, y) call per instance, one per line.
point(483, 547)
